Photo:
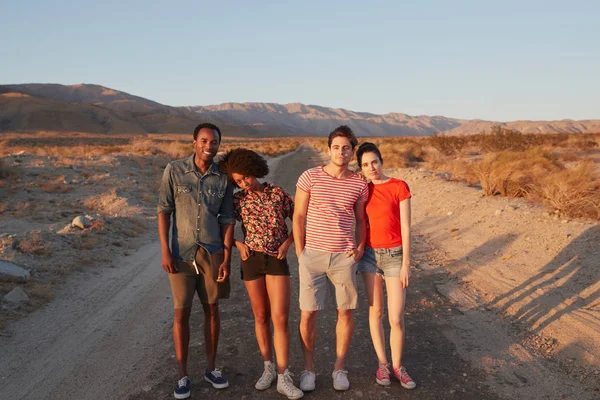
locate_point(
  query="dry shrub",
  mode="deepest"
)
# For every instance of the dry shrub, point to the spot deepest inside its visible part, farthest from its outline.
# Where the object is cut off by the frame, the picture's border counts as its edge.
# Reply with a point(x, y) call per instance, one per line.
point(41, 291)
point(143, 146)
point(84, 242)
point(503, 139)
point(573, 192)
point(459, 170)
point(448, 145)
point(108, 202)
point(130, 227)
point(55, 186)
point(400, 155)
point(513, 173)
point(176, 149)
point(33, 245)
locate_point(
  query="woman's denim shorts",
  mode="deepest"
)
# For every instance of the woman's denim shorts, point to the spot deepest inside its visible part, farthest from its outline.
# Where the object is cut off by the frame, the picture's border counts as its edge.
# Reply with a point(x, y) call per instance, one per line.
point(386, 262)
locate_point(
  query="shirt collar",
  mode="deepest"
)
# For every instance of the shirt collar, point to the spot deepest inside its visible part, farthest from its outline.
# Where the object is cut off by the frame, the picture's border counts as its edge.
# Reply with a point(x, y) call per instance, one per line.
point(191, 167)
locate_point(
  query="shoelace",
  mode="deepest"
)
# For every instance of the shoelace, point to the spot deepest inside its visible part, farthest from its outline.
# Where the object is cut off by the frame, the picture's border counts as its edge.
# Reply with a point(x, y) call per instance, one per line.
point(288, 382)
point(216, 373)
point(267, 374)
point(182, 382)
point(384, 371)
point(403, 374)
point(342, 372)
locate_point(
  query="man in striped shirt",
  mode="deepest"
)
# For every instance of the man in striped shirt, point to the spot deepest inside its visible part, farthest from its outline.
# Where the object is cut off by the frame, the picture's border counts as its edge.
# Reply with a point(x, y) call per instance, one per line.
point(328, 201)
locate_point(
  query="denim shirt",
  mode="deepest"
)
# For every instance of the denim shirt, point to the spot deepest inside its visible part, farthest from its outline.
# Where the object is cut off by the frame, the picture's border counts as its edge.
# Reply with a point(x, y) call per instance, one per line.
point(200, 204)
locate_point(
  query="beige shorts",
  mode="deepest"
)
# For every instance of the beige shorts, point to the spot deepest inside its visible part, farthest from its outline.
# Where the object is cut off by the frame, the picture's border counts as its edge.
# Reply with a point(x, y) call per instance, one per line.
point(321, 272)
point(186, 281)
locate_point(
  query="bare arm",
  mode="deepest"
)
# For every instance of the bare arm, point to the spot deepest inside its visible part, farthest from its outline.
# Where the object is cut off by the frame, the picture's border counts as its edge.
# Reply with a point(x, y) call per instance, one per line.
point(299, 220)
point(227, 235)
point(405, 231)
point(168, 262)
point(360, 231)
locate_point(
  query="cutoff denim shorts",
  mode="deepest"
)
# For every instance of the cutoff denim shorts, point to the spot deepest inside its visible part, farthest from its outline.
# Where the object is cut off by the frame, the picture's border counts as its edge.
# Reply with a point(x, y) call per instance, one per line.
point(386, 262)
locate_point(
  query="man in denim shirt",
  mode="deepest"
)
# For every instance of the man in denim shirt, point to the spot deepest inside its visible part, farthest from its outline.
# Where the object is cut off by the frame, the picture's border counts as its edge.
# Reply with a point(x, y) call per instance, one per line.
point(199, 198)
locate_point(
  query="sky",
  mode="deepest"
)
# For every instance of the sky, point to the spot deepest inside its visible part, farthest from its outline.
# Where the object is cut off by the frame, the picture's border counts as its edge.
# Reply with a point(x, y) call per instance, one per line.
point(502, 61)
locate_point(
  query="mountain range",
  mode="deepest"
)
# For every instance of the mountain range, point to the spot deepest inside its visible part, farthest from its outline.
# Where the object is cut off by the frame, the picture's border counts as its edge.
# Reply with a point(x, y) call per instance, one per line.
point(97, 109)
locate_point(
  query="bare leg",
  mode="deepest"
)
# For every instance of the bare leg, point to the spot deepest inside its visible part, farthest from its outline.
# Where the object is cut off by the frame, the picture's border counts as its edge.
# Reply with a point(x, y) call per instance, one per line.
point(343, 335)
point(396, 301)
point(374, 289)
point(259, 299)
point(278, 288)
point(212, 327)
point(181, 338)
point(308, 336)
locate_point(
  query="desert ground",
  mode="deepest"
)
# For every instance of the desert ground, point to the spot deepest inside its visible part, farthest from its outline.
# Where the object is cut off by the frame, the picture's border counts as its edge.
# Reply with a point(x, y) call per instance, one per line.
point(503, 302)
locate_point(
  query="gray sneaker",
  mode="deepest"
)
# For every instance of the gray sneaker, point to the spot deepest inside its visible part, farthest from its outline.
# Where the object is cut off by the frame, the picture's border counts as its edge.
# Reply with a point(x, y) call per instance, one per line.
point(340, 380)
point(267, 378)
point(285, 386)
point(307, 381)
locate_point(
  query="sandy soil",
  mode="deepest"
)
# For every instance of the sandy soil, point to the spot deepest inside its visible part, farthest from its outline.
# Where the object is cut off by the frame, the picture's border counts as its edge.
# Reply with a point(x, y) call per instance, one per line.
point(503, 305)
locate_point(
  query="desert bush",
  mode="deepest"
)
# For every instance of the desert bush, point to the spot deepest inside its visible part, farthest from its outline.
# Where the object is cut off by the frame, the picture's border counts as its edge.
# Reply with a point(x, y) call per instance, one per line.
point(33, 245)
point(573, 192)
point(448, 145)
point(54, 186)
point(176, 149)
point(513, 173)
point(84, 242)
point(502, 139)
point(459, 170)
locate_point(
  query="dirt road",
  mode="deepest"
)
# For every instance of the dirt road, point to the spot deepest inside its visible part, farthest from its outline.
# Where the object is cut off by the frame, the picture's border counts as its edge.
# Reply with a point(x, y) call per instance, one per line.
point(107, 336)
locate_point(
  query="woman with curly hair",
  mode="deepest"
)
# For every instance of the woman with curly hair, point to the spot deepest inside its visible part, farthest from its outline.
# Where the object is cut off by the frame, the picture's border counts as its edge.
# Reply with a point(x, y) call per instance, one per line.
point(263, 208)
point(386, 259)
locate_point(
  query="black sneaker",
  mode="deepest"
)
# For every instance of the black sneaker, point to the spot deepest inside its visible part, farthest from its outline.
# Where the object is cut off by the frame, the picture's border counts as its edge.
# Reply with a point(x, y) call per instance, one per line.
point(182, 390)
point(216, 379)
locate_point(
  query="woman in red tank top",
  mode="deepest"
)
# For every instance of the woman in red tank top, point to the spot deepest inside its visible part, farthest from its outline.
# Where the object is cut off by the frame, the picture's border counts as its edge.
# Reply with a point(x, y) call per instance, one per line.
point(386, 258)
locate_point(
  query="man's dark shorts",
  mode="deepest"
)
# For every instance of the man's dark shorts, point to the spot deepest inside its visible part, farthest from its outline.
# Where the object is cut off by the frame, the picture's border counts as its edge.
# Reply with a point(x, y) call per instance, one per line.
point(260, 264)
point(186, 281)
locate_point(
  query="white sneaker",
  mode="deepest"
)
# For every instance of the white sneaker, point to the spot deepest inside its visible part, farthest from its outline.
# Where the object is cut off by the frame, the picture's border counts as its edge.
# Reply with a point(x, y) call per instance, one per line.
point(340, 380)
point(285, 386)
point(267, 378)
point(307, 381)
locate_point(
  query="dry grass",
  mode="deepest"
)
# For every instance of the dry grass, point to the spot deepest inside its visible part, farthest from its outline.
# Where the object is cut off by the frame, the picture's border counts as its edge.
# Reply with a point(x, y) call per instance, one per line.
point(84, 242)
point(171, 146)
point(511, 173)
point(33, 244)
point(397, 152)
point(573, 192)
point(56, 185)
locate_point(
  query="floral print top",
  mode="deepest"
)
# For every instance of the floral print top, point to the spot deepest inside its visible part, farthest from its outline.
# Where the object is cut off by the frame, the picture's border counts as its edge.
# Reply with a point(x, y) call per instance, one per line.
point(263, 217)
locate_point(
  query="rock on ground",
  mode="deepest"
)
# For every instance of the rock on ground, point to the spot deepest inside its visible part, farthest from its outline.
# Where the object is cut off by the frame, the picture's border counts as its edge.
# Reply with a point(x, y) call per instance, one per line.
point(13, 270)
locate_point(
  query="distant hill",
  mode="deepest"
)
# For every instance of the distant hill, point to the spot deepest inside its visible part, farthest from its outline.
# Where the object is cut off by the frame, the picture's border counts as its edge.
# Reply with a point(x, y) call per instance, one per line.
point(97, 109)
point(296, 118)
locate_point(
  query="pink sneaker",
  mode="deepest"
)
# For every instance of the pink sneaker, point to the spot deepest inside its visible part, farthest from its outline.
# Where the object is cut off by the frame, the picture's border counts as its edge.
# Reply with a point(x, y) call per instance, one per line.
point(405, 379)
point(382, 376)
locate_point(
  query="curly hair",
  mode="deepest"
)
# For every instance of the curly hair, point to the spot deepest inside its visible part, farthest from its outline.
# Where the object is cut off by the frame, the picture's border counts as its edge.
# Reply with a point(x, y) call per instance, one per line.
point(245, 162)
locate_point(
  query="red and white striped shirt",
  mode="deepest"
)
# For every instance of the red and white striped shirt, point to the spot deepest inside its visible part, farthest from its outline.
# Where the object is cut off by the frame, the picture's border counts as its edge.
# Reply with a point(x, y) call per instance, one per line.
point(330, 214)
